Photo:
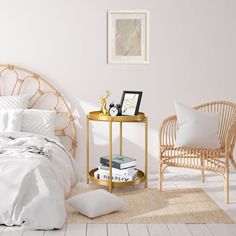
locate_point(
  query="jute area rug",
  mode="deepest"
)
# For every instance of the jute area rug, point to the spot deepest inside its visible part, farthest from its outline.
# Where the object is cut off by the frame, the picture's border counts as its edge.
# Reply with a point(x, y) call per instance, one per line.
point(145, 206)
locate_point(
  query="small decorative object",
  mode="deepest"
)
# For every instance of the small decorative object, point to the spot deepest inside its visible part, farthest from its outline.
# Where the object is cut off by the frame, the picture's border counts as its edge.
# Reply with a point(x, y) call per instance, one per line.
point(115, 110)
point(130, 102)
point(128, 36)
point(103, 101)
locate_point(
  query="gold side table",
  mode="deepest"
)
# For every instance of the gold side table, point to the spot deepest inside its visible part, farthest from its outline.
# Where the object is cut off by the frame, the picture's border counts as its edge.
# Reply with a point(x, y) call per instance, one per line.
point(141, 176)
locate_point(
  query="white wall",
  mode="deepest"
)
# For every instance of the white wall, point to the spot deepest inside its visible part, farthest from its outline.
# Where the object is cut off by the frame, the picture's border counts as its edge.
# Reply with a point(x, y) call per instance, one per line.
point(192, 57)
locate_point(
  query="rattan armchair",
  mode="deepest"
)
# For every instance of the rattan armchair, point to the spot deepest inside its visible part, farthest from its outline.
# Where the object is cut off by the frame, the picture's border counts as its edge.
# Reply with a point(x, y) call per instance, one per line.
point(216, 160)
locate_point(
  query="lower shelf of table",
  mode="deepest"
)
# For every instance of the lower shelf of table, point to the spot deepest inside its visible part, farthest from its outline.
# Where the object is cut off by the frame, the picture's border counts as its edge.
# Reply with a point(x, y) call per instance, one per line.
point(139, 179)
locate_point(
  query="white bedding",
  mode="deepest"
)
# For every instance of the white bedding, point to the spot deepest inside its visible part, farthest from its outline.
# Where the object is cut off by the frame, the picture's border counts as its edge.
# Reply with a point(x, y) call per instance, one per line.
point(36, 174)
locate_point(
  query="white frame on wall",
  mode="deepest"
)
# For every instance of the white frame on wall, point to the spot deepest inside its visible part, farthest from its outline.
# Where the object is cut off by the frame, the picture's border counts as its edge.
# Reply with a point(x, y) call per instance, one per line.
point(112, 15)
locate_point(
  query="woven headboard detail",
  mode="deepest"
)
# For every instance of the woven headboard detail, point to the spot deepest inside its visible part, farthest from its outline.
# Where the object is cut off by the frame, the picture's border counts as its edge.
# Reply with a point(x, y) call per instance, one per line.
point(15, 80)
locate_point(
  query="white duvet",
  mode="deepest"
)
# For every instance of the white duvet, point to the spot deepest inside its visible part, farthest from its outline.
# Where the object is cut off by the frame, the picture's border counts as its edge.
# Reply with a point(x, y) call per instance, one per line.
point(36, 174)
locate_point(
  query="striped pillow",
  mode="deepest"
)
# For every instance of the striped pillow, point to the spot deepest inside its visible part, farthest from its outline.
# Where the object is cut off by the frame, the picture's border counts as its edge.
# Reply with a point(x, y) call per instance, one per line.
point(14, 102)
point(39, 122)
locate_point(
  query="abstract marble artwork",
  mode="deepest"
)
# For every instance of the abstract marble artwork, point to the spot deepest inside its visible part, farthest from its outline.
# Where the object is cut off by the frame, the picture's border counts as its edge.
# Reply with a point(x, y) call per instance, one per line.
point(128, 33)
point(128, 37)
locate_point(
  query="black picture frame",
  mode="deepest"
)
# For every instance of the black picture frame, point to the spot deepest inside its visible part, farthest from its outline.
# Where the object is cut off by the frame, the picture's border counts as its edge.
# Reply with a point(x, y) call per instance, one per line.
point(134, 110)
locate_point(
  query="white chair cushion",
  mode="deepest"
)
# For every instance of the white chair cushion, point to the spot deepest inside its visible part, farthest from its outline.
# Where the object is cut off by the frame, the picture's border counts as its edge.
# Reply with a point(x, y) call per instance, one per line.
point(95, 203)
point(196, 129)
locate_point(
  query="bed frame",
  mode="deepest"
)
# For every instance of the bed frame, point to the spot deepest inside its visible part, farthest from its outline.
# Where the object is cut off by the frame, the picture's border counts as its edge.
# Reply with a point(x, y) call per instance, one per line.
point(15, 80)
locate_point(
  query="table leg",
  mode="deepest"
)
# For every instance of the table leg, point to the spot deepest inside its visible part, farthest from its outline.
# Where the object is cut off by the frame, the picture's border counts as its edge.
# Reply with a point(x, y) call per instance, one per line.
point(87, 149)
point(110, 156)
point(146, 152)
point(121, 138)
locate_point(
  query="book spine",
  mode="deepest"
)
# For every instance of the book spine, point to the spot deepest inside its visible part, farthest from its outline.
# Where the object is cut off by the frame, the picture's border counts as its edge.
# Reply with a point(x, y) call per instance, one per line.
point(116, 165)
point(115, 177)
point(105, 170)
point(127, 165)
point(105, 162)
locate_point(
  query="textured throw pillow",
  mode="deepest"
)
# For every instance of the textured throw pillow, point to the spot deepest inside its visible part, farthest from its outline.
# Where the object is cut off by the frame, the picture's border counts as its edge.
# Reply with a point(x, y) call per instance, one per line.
point(14, 102)
point(10, 120)
point(95, 203)
point(39, 122)
point(196, 129)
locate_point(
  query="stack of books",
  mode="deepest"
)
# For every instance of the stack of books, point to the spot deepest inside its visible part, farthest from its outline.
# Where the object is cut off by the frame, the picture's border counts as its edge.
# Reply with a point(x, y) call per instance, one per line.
point(123, 169)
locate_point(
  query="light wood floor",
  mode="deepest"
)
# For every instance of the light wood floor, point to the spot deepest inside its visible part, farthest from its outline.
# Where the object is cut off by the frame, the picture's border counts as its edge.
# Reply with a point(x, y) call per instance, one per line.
point(213, 186)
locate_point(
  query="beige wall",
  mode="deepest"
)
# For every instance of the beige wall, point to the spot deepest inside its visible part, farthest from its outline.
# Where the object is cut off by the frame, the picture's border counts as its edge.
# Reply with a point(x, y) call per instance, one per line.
point(192, 57)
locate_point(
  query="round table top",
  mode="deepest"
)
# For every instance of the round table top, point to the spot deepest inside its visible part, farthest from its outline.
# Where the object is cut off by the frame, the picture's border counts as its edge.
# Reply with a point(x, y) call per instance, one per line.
point(97, 116)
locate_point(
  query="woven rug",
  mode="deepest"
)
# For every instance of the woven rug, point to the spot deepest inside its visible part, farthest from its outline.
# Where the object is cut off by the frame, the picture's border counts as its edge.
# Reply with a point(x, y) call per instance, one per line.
point(151, 206)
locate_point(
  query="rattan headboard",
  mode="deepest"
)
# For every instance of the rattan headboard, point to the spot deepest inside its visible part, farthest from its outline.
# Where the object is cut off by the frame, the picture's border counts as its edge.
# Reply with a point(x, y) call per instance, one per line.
point(15, 80)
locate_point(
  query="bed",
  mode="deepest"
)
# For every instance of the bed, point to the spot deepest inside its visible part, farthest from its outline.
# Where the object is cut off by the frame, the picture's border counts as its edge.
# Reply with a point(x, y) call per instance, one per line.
point(37, 165)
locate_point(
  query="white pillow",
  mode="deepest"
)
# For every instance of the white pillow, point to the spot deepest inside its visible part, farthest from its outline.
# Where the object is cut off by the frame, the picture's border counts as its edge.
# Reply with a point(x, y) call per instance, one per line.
point(39, 122)
point(196, 129)
point(10, 120)
point(96, 203)
point(14, 102)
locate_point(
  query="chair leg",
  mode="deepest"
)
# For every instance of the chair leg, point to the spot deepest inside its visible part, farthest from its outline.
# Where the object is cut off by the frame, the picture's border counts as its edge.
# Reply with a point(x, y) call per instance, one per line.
point(226, 186)
point(160, 177)
point(203, 176)
point(202, 170)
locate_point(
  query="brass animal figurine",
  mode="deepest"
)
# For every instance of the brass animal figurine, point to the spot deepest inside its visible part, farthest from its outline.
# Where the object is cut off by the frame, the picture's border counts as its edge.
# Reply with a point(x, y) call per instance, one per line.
point(103, 101)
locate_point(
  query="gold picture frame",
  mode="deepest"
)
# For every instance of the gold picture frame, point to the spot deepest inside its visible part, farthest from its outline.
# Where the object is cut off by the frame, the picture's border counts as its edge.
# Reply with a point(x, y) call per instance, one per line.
point(128, 37)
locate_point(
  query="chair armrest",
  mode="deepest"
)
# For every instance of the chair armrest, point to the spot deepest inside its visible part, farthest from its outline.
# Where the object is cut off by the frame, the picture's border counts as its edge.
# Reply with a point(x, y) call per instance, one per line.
point(230, 140)
point(167, 131)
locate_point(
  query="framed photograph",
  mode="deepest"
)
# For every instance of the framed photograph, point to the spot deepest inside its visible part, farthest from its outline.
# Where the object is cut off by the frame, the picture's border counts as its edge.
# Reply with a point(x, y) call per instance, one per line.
point(128, 37)
point(130, 102)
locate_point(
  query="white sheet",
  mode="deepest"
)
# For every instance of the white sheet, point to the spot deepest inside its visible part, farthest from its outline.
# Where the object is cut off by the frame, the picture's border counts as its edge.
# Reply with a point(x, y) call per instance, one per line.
point(36, 174)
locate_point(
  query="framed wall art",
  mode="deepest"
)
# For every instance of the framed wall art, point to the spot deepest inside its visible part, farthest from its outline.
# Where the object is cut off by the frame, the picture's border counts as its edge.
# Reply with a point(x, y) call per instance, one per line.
point(128, 37)
point(130, 102)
